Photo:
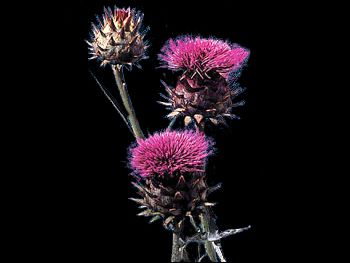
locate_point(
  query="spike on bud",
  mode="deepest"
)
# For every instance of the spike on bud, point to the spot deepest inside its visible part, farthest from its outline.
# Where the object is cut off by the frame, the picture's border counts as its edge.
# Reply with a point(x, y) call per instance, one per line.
point(170, 166)
point(181, 184)
point(198, 118)
point(117, 39)
point(210, 67)
point(178, 196)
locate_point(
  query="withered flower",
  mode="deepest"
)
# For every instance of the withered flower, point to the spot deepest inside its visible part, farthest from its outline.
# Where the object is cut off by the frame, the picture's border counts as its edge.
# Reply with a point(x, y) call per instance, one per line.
point(118, 39)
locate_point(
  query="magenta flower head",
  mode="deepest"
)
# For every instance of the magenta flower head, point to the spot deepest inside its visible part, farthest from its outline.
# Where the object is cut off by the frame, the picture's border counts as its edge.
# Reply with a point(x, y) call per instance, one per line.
point(203, 56)
point(170, 153)
point(206, 90)
point(172, 166)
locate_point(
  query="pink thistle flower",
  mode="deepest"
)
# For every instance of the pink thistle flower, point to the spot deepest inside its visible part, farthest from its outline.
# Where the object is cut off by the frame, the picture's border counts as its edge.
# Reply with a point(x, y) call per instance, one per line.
point(170, 153)
point(202, 56)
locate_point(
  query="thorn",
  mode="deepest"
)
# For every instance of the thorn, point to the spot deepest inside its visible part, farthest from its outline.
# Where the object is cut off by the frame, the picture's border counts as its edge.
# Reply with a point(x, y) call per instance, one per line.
point(182, 182)
point(214, 121)
point(155, 218)
point(112, 100)
point(171, 124)
point(207, 75)
point(202, 257)
point(137, 200)
point(122, 32)
point(112, 42)
point(187, 120)
point(193, 223)
point(180, 109)
point(103, 49)
point(175, 211)
point(164, 190)
point(214, 188)
point(167, 88)
point(179, 225)
point(138, 65)
point(127, 21)
point(198, 118)
point(147, 212)
point(133, 40)
point(238, 104)
point(102, 33)
point(225, 98)
point(104, 63)
point(196, 182)
point(173, 114)
point(178, 196)
point(210, 204)
point(137, 186)
point(94, 28)
point(168, 220)
point(217, 236)
point(194, 74)
point(165, 97)
point(199, 73)
point(90, 44)
point(164, 103)
point(222, 120)
point(113, 26)
point(231, 116)
point(106, 12)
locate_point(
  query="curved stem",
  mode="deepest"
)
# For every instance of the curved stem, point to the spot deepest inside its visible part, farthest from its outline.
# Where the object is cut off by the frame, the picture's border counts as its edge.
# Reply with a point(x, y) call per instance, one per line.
point(134, 123)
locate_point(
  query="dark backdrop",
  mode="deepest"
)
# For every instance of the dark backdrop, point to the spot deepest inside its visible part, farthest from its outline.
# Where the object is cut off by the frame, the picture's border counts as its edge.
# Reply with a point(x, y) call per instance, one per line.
point(89, 181)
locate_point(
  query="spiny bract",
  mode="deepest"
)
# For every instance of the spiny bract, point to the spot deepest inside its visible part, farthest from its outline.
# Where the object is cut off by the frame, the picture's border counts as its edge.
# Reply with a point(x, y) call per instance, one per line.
point(206, 89)
point(169, 168)
point(118, 39)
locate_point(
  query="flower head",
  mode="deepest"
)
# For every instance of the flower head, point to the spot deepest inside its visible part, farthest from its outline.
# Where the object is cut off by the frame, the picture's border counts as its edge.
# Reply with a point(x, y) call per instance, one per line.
point(117, 39)
point(170, 153)
point(203, 56)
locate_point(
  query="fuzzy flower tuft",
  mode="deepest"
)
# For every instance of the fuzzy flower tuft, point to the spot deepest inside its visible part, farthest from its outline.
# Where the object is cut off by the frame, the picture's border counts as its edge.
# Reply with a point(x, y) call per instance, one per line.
point(202, 56)
point(170, 153)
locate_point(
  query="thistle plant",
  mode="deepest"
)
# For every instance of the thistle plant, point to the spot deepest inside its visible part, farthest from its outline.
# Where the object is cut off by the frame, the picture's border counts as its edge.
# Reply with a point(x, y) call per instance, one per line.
point(169, 167)
point(207, 87)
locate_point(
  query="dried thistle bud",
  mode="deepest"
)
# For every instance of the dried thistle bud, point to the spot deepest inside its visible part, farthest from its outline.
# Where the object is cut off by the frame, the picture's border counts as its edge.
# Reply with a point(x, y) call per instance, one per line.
point(207, 87)
point(118, 39)
point(171, 167)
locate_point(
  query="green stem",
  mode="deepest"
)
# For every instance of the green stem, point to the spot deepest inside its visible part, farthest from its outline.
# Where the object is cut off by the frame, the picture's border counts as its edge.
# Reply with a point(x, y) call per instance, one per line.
point(134, 123)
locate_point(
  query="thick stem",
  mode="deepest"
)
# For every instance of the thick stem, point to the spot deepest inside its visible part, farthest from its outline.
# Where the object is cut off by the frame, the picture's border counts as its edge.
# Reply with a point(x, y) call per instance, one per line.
point(134, 123)
point(213, 248)
point(175, 254)
point(206, 225)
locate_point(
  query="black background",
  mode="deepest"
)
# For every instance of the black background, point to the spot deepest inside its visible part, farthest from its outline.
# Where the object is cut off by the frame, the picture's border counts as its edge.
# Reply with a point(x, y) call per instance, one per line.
point(88, 215)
